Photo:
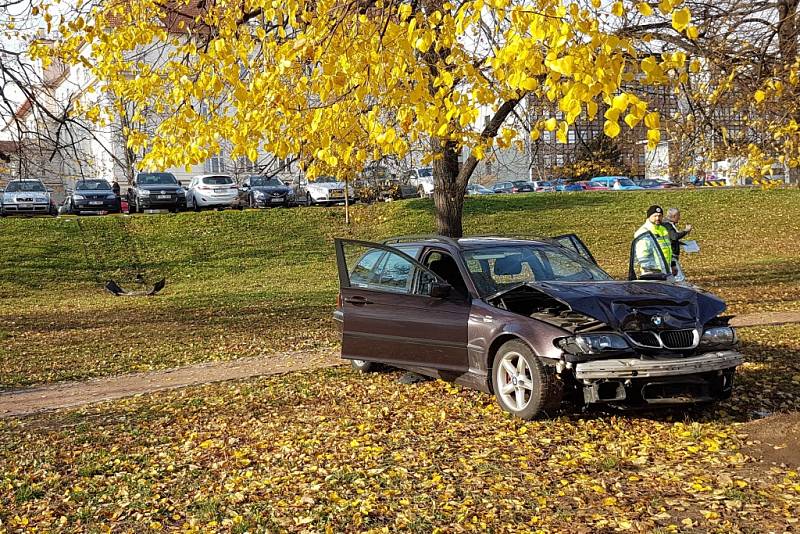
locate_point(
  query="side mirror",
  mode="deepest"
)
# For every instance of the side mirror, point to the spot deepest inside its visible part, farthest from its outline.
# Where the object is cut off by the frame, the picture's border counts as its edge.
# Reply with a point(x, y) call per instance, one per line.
point(49, 189)
point(440, 291)
point(180, 183)
point(245, 186)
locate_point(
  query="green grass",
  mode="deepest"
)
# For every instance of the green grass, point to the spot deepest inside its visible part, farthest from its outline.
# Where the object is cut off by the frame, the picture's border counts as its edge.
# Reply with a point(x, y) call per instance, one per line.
point(257, 282)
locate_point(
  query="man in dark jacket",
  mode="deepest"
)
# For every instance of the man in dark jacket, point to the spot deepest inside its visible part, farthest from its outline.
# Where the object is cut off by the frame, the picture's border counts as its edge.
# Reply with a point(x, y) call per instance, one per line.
point(670, 222)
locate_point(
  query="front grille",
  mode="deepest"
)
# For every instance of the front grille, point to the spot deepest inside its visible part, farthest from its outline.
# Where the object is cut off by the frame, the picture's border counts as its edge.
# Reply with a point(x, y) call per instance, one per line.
point(668, 339)
point(646, 339)
point(678, 339)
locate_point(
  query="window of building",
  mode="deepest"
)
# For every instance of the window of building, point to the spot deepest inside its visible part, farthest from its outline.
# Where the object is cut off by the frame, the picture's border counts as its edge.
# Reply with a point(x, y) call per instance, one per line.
point(215, 164)
point(245, 166)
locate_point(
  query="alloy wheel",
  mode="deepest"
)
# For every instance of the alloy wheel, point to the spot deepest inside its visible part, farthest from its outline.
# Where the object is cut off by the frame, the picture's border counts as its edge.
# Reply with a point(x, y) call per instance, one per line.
point(515, 381)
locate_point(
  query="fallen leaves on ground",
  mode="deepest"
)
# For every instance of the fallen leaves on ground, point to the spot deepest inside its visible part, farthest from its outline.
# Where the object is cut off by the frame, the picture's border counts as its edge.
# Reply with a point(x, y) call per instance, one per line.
point(337, 451)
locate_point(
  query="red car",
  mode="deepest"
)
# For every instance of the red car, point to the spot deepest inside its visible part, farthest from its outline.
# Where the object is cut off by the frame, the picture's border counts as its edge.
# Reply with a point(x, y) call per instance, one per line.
point(593, 186)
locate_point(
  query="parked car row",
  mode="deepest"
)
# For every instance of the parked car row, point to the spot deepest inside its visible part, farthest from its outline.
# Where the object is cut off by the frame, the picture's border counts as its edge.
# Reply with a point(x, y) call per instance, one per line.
point(163, 191)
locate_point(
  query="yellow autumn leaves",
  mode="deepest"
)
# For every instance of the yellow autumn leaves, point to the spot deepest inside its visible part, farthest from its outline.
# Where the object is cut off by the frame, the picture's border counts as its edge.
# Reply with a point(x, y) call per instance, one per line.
point(338, 88)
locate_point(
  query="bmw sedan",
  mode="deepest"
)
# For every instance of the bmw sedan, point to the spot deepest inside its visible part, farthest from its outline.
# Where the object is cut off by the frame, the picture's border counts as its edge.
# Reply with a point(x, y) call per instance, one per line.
point(534, 322)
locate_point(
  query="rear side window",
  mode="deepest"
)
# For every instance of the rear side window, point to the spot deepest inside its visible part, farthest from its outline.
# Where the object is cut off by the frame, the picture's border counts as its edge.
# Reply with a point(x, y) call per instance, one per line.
point(218, 180)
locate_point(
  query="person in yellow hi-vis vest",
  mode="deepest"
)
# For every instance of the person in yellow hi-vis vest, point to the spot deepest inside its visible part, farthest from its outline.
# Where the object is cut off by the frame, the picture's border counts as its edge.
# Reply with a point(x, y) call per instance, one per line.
point(646, 255)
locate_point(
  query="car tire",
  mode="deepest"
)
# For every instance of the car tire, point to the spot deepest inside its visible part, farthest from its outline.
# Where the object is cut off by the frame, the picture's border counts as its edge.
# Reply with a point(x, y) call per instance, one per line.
point(363, 366)
point(309, 200)
point(523, 386)
point(421, 192)
point(195, 205)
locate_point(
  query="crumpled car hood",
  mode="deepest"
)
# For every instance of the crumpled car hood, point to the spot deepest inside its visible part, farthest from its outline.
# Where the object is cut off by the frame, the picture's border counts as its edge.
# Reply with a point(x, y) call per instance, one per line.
point(635, 305)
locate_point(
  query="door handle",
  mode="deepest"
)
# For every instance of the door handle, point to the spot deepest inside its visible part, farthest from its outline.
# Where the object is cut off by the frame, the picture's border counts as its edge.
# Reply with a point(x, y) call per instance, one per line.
point(357, 300)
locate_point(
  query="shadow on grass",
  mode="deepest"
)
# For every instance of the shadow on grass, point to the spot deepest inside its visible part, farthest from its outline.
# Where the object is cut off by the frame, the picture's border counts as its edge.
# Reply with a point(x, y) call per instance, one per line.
point(538, 202)
point(785, 270)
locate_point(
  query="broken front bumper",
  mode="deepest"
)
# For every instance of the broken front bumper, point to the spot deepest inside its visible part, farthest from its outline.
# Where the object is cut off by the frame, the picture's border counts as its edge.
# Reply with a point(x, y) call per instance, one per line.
point(692, 379)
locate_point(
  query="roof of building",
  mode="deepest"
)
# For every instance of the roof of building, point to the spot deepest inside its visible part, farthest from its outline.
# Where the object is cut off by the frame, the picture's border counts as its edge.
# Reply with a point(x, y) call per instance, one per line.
point(7, 148)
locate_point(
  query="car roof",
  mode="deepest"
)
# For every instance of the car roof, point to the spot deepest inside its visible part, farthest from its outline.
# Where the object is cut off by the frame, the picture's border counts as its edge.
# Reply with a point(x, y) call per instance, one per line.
point(466, 243)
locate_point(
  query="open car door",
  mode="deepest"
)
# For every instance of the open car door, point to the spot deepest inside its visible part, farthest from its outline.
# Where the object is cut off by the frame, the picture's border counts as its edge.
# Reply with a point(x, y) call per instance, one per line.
point(647, 261)
point(574, 243)
point(397, 311)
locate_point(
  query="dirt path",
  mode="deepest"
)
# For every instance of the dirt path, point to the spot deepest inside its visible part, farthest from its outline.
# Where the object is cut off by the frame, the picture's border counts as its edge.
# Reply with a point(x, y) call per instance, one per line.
point(70, 394)
point(766, 319)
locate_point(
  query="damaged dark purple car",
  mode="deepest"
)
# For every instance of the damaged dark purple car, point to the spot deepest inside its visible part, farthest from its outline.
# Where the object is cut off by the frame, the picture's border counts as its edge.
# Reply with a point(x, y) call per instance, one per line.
point(534, 321)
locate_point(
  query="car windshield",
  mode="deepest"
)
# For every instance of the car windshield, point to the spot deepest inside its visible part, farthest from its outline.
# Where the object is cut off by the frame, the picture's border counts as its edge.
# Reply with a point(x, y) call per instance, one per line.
point(260, 181)
point(627, 182)
point(496, 268)
point(92, 185)
point(521, 182)
point(218, 180)
point(25, 185)
point(156, 178)
point(427, 171)
point(545, 184)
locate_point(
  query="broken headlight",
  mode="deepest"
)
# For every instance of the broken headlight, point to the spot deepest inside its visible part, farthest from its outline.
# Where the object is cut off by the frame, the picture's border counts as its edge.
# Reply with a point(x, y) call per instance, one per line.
point(718, 336)
point(594, 344)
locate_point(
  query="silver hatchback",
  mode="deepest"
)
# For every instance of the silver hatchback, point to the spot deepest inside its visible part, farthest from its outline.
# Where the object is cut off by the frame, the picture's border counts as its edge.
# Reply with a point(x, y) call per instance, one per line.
point(212, 191)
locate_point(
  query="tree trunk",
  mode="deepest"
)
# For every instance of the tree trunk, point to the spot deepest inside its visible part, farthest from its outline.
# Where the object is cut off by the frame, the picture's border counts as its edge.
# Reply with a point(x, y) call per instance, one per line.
point(787, 43)
point(450, 181)
point(787, 31)
point(448, 194)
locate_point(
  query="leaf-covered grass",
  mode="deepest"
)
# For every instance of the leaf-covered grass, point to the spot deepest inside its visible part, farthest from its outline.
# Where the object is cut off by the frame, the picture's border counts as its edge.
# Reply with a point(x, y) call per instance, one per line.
point(255, 282)
point(336, 451)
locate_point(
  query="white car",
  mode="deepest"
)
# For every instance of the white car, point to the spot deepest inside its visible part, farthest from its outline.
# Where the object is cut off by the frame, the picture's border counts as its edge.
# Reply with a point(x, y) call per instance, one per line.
point(26, 197)
point(422, 179)
point(211, 191)
point(323, 190)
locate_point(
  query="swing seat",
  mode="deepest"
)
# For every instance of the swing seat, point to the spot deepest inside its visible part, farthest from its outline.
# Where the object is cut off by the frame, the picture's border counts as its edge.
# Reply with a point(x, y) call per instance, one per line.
point(116, 290)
